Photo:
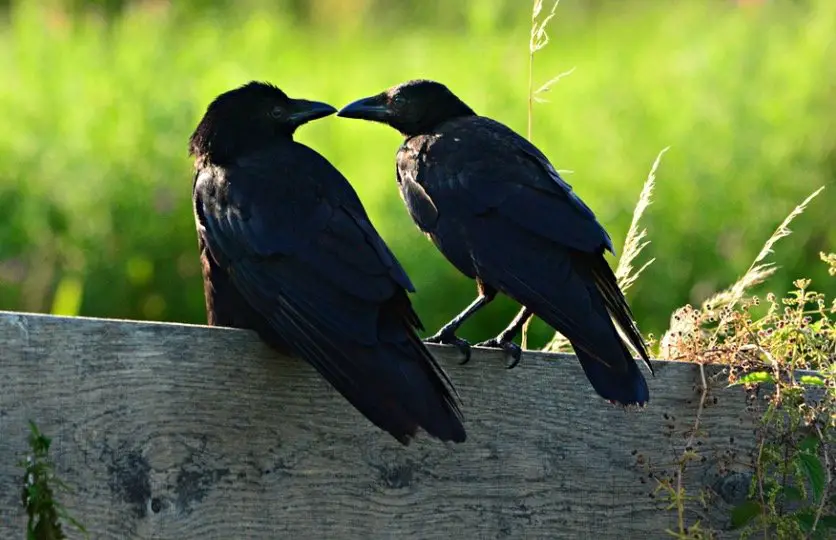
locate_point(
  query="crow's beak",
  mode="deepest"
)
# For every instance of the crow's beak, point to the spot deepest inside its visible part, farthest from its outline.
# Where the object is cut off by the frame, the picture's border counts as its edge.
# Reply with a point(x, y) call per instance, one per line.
point(371, 108)
point(304, 111)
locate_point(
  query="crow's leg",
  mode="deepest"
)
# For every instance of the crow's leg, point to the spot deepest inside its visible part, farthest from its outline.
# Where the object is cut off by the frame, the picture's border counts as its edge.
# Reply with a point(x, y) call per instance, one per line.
point(447, 334)
point(505, 339)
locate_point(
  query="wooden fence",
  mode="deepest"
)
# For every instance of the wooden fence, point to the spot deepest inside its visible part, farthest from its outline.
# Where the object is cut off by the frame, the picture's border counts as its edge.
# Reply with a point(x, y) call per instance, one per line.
point(177, 432)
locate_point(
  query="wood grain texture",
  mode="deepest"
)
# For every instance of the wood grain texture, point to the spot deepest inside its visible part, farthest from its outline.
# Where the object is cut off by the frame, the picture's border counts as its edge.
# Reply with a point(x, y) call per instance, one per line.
point(172, 431)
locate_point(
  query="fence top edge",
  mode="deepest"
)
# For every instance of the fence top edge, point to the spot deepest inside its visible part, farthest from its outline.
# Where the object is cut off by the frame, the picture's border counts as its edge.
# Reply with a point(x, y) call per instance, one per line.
point(250, 336)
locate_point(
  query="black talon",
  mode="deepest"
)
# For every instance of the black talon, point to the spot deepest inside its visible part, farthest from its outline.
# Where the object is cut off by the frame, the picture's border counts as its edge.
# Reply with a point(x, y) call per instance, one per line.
point(511, 349)
point(447, 334)
point(464, 348)
point(449, 338)
point(515, 352)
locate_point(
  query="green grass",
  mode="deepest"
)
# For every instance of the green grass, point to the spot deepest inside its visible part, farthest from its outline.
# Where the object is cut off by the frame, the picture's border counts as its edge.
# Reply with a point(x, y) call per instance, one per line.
point(95, 179)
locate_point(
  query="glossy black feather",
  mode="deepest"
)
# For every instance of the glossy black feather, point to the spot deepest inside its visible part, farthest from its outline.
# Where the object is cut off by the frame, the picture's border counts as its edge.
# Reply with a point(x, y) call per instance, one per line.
point(289, 251)
point(500, 212)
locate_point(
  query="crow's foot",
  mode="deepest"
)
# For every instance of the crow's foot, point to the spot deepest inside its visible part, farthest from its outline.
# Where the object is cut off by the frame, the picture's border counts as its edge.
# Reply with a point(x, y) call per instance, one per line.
point(511, 349)
point(448, 337)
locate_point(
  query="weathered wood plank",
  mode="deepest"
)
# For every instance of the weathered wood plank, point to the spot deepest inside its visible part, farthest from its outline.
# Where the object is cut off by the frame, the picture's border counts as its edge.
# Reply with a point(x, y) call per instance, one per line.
point(188, 432)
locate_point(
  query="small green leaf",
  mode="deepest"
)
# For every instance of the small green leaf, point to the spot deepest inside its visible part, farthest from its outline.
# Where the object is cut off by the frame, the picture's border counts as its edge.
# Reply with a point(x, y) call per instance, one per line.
point(809, 444)
point(811, 380)
point(744, 512)
point(770, 485)
point(805, 520)
point(792, 493)
point(756, 377)
point(814, 470)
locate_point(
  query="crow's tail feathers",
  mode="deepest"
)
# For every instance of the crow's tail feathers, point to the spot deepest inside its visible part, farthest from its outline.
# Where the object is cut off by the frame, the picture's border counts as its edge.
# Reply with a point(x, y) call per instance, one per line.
point(623, 387)
point(423, 394)
point(616, 303)
point(398, 386)
point(408, 371)
point(610, 367)
point(396, 383)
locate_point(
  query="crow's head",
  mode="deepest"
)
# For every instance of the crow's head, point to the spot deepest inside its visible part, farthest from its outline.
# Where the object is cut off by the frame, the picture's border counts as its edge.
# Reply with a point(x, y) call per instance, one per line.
point(413, 107)
point(249, 117)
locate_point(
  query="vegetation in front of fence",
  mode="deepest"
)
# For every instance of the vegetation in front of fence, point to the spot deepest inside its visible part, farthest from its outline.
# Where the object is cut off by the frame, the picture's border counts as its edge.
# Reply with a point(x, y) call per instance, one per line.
point(792, 493)
point(766, 350)
point(40, 487)
point(770, 356)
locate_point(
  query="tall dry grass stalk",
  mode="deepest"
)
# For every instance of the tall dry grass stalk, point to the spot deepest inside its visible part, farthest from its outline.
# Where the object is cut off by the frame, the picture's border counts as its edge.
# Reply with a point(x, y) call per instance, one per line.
point(538, 39)
point(634, 242)
point(758, 271)
point(687, 324)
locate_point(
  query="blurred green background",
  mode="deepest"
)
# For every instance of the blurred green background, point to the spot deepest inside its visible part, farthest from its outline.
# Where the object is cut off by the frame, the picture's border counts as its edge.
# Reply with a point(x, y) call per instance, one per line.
point(98, 100)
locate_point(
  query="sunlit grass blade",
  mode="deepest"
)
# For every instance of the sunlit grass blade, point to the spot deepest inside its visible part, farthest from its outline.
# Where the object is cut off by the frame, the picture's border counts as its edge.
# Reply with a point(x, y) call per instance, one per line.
point(545, 87)
point(759, 271)
point(634, 242)
point(67, 300)
point(537, 40)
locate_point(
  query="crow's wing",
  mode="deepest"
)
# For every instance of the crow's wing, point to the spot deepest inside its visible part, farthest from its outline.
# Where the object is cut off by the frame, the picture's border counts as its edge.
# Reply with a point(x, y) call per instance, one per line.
point(525, 227)
point(480, 165)
point(304, 255)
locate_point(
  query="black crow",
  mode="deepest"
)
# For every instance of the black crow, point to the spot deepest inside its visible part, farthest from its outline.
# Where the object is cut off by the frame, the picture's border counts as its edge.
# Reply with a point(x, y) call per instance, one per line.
point(288, 251)
point(499, 211)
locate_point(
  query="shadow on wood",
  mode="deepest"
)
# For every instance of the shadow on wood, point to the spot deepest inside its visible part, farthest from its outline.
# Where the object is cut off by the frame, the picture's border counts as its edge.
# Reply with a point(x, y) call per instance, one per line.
point(188, 432)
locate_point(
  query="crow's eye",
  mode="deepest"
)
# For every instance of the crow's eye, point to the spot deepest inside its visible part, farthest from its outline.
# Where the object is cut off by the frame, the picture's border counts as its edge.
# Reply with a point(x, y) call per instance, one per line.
point(277, 112)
